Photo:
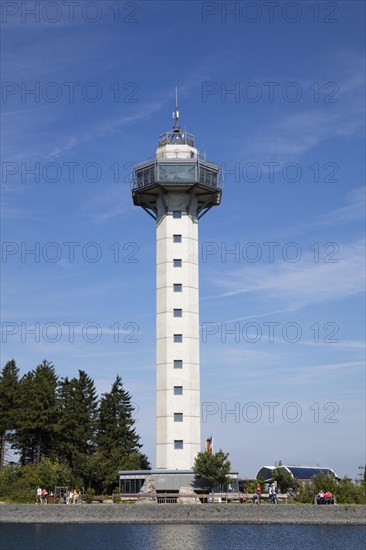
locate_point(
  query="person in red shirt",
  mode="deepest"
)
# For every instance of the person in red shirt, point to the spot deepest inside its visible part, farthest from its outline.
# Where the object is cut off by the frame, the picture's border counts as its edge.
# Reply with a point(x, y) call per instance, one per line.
point(328, 498)
point(257, 495)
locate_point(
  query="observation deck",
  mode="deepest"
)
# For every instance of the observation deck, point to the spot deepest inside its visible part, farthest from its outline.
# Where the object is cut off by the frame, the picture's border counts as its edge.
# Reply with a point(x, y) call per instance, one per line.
point(177, 166)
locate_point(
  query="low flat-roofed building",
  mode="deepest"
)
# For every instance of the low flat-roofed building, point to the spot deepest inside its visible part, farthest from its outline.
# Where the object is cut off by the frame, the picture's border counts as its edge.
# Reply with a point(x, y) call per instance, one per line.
point(131, 481)
point(300, 473)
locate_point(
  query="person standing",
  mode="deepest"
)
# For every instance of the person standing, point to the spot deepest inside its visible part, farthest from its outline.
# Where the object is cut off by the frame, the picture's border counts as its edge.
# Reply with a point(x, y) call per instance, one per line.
point(39, 495)
point(258, 494)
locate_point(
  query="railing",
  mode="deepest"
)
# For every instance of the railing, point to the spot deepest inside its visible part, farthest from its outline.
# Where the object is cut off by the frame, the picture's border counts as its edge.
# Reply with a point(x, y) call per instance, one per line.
point(174, 137)
point(172, 498)
point(167, 499)
point(161, 498)
point(148, 174)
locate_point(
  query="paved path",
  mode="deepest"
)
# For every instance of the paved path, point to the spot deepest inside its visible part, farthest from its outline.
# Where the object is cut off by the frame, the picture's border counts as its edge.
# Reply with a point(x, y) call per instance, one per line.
point(175, 513)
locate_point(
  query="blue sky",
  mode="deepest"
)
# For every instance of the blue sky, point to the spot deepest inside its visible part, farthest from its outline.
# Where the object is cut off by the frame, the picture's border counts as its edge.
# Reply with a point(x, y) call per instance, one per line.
point(290, 140)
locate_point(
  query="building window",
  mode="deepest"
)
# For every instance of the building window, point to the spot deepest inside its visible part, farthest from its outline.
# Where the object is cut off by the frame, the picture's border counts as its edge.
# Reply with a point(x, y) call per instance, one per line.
point(178, 390)
point(131, 485)
point(178, 364)
point(177, 313)
point(177, 287)
point(178, 443)
point(178, 338)
point(178, 417)
point(177, 263)
point(177, 238)
point(177, 214)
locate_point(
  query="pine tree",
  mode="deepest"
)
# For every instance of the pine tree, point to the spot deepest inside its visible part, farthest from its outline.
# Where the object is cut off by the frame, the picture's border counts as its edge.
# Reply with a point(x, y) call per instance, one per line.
point(78, 417)
point(9, 382)
point(37, 417)
point(118, 442)
point(116, 420)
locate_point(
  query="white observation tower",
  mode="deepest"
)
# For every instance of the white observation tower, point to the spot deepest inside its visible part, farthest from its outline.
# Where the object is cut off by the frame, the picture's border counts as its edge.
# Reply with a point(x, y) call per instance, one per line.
point(177, 188)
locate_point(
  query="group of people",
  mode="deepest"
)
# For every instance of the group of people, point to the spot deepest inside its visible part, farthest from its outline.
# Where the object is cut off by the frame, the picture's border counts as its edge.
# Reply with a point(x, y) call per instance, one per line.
point(69, 497)
point(257, 496)
point(324, 498)
point(41, 495)
point(72, 497)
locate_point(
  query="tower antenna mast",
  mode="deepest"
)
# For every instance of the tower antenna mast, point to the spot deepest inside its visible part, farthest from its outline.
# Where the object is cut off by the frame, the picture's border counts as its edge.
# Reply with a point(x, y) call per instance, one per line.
point(176, 111)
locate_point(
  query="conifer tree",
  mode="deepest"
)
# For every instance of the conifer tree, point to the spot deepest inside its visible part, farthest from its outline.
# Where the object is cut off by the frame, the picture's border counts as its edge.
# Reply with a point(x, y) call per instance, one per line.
point(118, 442)
point(78, 416)
point(9, 382)
point(116, 420)
point(37, 416)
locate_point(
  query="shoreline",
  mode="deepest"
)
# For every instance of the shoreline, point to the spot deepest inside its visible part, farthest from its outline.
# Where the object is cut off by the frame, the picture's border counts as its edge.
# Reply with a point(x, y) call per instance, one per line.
point(286, 514)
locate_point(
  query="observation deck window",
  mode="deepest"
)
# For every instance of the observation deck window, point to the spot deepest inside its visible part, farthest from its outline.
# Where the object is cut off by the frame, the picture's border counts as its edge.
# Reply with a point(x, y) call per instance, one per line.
point(176, 172)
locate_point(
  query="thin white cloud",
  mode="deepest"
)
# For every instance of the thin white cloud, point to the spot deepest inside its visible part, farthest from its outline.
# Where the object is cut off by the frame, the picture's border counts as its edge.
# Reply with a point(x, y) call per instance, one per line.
point(294, 135)
point(289, 137)
point(298, 284)
point(353, 211)
point(250, 373)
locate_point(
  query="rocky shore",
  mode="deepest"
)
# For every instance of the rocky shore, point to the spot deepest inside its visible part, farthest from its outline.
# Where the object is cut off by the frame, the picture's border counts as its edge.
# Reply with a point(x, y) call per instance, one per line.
point(184, 514)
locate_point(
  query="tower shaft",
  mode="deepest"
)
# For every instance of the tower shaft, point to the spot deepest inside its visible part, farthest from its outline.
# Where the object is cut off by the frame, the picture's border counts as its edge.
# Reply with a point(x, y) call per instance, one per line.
point(177, 333)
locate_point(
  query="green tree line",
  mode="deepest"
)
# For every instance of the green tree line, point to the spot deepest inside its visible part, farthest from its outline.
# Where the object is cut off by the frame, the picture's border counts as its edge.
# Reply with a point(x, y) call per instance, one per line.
point(345, 490)
point(60, 425)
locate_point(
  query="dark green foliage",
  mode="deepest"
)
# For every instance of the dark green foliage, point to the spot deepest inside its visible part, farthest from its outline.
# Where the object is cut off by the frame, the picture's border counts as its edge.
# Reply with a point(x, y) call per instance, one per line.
point(251, 485)
point(37, 415)
point(78, 417)
point(88, 470)
point(118, 443)
point(61, 434)
point(306, 492)
point(324, 482)
point(9, 383)
point(213, 468)
point(284, 479)
point(89, 495)
point(18, 483)
point(116, 420)
point(345, 490)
